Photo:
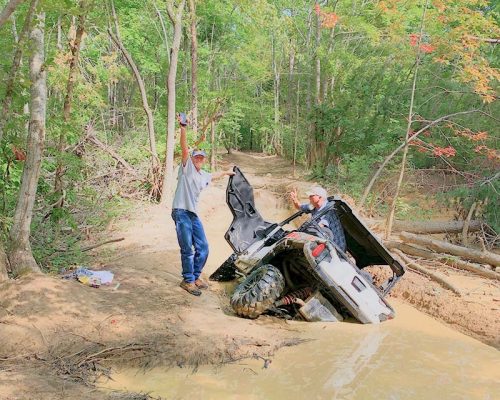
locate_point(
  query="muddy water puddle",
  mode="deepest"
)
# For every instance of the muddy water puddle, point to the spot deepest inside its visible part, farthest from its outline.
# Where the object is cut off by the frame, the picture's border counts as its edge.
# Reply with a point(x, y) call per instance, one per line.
point(410, 357)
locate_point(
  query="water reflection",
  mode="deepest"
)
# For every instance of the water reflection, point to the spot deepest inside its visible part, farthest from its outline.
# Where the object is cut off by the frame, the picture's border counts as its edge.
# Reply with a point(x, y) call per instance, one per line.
point(411, 357)
point(355, 364)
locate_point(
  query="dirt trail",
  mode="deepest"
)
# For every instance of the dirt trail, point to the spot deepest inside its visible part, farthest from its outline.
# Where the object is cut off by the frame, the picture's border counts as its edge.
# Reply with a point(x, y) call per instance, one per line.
point(53, 333)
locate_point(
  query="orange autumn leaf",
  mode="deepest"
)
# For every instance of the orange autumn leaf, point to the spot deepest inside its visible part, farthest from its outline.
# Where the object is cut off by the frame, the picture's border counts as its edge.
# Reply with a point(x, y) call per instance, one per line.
point(479, 136)
point(414, 39)
point(488, 98)
point(492, 154)
point(444, 151)
point(427, 48)
point(329, 20)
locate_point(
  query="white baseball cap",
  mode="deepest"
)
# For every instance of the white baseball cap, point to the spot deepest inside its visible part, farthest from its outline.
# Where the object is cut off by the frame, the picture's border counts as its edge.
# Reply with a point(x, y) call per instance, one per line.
point(199, 153)
point(318, 191)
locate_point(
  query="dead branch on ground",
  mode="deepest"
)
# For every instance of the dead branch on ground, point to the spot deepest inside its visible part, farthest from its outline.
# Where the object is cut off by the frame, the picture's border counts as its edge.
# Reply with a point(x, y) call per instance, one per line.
point(102, 244)
point(411, 264)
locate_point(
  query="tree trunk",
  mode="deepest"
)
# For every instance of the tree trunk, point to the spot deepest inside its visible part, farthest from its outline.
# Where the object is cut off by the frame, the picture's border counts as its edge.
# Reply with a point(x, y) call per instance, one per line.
point(194, 68)
point(277, 78)
point(324, 89)
point(114, 105)
point(390, 217)
point(482, 257)
point(70, 85)
point(213, 146)
point(297, 120)
point(168, 175)
point(291, 69)
point(310, 127)
point(164, 30)
point(14, 29)
point(8, 10)
point(317, 89)
point(20, 254)
point(312, 142)
point(9, 87)
point(140, 82)
point(3, 264)
point(59, 34)
point(467, 225)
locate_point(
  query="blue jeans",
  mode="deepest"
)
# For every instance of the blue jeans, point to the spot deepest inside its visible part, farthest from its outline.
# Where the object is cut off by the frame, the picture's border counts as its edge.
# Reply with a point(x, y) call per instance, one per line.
point(190, 234)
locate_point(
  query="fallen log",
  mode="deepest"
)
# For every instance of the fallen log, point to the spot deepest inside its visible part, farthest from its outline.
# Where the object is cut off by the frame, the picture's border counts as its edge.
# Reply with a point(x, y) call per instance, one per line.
point(446, 259)
point(430, 227)
point(434, 276)
point(482, 257)
point(112, 153)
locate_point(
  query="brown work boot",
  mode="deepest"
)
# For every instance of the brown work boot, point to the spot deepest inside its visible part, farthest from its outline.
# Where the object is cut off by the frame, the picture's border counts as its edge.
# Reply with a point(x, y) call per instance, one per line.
point(201, 284)
point(191, 288)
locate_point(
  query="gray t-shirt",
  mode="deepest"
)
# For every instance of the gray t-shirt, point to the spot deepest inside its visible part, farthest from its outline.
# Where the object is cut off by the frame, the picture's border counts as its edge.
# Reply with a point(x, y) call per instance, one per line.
point(190, 183)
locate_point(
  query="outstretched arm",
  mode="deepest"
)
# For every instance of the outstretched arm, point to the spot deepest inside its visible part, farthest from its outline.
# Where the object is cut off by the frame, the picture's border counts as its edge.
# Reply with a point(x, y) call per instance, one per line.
point(220, 174)
point(184, 144)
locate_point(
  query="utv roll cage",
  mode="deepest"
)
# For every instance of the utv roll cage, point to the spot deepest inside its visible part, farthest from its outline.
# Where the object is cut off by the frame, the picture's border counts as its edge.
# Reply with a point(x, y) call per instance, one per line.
point(248, 227)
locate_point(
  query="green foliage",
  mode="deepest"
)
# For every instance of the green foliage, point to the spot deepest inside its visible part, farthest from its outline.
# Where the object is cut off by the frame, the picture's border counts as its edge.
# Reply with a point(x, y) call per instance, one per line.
point(245, 49)
point(11, 172)
point(484, 194)
point(229, 127)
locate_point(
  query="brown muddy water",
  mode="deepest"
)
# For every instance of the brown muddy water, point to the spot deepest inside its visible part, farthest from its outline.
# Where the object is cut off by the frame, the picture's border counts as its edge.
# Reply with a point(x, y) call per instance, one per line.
point(410, 357)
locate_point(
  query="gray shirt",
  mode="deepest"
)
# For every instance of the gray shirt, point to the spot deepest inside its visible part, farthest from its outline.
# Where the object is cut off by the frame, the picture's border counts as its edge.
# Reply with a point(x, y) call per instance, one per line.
point(190, 183)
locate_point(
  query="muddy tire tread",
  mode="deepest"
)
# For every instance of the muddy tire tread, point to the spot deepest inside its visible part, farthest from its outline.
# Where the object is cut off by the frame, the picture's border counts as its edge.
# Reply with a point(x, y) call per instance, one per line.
point(258, 292)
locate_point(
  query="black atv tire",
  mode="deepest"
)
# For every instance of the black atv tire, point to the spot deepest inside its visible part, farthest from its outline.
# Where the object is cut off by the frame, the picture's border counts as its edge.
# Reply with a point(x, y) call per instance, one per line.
point(258, 292)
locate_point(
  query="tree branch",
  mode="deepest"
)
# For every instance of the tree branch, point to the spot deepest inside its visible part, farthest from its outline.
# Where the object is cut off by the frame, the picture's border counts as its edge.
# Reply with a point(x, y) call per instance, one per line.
point(405, 143)
point(8, 10)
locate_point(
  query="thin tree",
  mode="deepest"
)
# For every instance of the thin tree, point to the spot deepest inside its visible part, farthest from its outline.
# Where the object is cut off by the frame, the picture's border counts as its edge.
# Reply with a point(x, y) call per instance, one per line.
point(276, 66)
point(194, 67)
point(20, 254)
point(390, 217)
point(68, 99)
point(405, 143)
point(175, 15)
point(3, 264)
point(317, 56)
point(164, 30)
point(18, 54)
point(291, 69)
point(8, 10)
point(142, 88)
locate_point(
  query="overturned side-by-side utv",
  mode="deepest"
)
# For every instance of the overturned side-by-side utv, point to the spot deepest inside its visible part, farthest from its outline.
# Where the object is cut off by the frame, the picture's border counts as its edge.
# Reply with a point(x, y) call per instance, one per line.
point(303, 273)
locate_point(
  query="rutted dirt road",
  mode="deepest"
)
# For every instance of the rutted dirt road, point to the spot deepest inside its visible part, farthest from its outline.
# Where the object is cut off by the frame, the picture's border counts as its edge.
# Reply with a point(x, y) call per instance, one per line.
point(57, 335)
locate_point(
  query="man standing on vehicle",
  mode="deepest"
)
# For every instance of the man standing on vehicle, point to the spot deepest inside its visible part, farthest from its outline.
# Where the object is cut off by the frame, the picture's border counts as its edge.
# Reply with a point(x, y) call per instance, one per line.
point(330, 222)
point(190, 234)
